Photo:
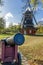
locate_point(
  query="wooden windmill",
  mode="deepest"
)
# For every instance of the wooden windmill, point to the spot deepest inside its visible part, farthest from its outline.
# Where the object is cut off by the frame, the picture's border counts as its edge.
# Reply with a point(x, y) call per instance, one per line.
point(27, 25)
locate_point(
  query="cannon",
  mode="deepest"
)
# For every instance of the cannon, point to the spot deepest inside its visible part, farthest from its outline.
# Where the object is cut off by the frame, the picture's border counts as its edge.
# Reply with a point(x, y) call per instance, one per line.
point(9, 54)
point(17, 39)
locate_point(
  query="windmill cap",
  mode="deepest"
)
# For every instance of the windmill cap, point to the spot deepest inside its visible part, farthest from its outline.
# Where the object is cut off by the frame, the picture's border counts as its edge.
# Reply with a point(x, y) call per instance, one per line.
point(28, 8)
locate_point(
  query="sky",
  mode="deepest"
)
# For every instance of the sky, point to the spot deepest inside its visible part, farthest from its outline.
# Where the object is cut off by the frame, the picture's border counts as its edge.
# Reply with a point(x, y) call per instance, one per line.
point(12, 11)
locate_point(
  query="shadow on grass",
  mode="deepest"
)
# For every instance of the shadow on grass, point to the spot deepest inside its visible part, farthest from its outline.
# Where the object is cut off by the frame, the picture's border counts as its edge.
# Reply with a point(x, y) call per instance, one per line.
point(38, 35)
point(39, 62)
point(9, 63)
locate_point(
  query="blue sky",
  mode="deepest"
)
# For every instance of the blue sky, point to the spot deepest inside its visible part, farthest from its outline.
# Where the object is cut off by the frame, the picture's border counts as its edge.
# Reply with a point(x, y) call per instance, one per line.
point(14, 7)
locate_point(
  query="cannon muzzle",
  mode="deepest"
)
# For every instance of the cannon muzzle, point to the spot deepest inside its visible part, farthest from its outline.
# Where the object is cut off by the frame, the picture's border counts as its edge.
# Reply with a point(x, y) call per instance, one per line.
point(17, 39)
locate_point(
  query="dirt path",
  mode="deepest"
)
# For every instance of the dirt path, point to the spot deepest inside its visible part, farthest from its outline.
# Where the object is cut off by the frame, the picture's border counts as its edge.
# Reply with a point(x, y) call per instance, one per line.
point(24, 60)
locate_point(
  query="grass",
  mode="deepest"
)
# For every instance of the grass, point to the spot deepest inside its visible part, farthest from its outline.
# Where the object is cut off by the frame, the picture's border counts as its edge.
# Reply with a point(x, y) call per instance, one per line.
point(4, 36)
point(32, 49)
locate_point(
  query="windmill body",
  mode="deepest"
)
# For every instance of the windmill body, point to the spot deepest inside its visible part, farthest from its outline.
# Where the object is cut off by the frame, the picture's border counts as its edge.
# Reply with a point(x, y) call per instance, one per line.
point(27, 25)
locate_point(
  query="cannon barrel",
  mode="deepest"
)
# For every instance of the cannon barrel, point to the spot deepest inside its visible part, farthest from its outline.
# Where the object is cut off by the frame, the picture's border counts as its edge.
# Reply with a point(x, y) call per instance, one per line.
point(17, 39)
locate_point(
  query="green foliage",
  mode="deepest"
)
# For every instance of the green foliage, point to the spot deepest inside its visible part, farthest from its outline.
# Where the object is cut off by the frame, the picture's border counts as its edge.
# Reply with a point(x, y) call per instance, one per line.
point(40, 30)
point(11, 30)
point(2, 23)
point(2, 36)
point(1, 2)
point(33, 3)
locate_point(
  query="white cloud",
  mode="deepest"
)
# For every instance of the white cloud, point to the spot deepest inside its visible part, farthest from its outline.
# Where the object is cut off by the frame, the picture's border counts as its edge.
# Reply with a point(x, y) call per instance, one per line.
point(7, 24)
point(10, 18)
point(42, 19)
point(8, 15)
point(15, 23)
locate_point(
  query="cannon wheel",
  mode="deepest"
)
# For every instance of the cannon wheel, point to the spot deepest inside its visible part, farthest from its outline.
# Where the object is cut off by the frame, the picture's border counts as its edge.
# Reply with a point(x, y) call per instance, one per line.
point(19, 59)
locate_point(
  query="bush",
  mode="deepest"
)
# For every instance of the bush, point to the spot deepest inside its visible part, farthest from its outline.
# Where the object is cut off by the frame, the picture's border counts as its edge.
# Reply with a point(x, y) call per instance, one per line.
point(40, 30)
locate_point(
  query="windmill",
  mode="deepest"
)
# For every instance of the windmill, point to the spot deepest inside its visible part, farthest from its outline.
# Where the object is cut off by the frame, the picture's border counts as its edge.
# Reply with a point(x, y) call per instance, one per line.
point(27, 25)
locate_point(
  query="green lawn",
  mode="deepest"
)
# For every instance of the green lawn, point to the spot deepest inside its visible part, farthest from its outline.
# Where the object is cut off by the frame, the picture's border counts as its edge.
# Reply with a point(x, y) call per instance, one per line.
point(4, 36)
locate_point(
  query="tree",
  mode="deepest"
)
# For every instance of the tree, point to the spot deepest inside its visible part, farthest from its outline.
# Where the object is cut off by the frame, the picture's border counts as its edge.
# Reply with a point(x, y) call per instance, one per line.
point(10, 24)
point(33, 3)
point(1, 2)
point(2, 23)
